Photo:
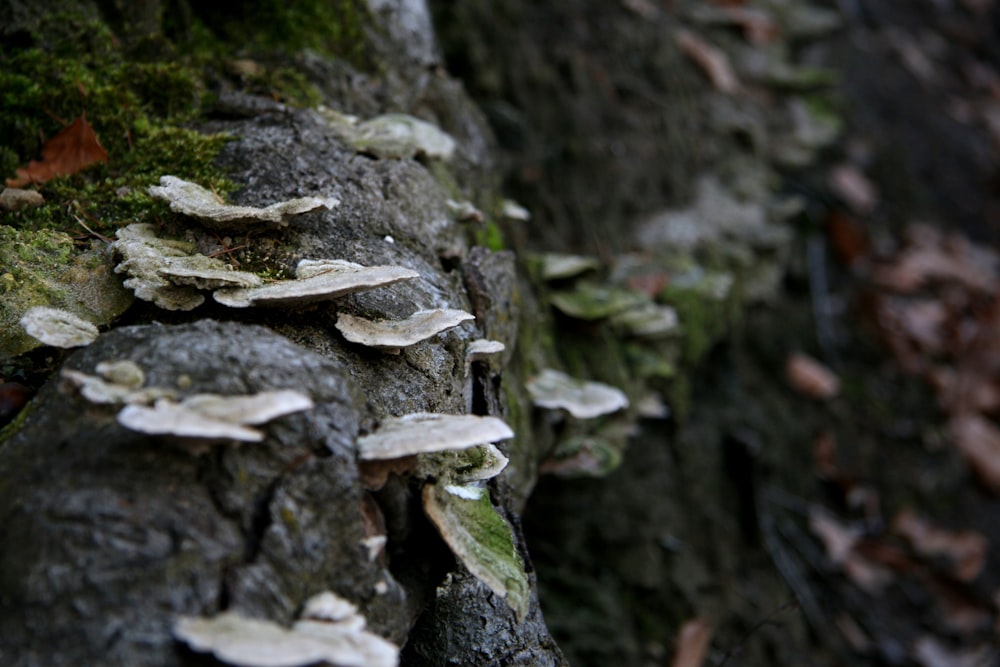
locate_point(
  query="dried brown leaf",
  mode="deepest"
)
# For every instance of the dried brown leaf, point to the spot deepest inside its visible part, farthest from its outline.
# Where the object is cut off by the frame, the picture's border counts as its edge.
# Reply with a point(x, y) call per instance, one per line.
point(712, 61)
point(978, 439)
point(692, 643)
point(73, 149)
point(810, 377)
point(932, 257)
point(965, 550)
point(854, 188)
point(838, 539)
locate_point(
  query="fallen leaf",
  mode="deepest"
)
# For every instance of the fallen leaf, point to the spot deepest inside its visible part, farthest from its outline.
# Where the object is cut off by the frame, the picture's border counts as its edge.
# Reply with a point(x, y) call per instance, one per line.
point(978, 439)
point(810, 377)
point(959, 610)
point(930, 651)
point(712, 61)
point(692, 643)
point(838, 539)
point(933, 257)
point(854, 188)
point(965, 550)
point(848, 237)
point(73, 149)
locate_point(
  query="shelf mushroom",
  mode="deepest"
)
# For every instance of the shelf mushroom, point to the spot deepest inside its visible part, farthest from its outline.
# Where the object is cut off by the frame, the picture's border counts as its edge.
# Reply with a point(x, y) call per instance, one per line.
point(582, 399)
point(214, 417)
point(318, 280)
point(330, 632)
point(57, 327)
point(204, 205)
point(393, 335)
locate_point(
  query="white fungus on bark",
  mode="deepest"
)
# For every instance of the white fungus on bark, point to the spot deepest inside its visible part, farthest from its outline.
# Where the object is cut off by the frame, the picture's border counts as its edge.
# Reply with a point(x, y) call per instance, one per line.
point(57, 327)
point(169, 273)
point(398, 136)
point(559, 266)
point(318, 280)
point(392, 335)
point(422, 432)
point(582, 399)
point(204, 205)
point(213, 417)
point(331, 632)
point(481, 349)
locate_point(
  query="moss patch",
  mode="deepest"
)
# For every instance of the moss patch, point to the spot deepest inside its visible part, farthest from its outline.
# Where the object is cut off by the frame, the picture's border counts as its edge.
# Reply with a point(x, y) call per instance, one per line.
point(45, 268)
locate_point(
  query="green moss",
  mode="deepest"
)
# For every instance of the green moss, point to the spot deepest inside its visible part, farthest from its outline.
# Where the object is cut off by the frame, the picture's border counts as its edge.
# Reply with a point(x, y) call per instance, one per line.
point(704, 318)
point(137, 110)
point(483, 541)
point(16, 424)
point(333, 28)
point(45, 268)
point(490, 236)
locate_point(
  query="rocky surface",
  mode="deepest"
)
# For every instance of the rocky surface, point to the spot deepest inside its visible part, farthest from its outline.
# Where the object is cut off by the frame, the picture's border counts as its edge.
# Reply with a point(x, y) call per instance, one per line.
point(621, 148)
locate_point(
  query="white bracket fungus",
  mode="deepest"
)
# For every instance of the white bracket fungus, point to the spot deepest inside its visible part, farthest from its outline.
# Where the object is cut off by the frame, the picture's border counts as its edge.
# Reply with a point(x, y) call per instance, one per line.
point(558, 266)
point(318, 280)
point(466, 466)
point(481, 539)
point(553, 390)
point(479, 350)
point(195, 201)
point(396, 136)
point(168, 272)
point(121, 383)
point(422, 432)
point(596, 302)
point(331, 632)
point(464, 211)
point(213, 417)
point(57, 327)
point(649, 320)
point(511, 210)
point(391, 335)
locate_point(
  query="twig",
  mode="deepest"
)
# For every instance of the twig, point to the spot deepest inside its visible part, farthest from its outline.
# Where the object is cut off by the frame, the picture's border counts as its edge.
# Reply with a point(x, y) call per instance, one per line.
point(84, 225)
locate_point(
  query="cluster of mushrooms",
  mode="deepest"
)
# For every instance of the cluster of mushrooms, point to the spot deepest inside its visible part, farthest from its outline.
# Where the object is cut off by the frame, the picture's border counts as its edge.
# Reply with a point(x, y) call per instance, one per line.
point(453, 454)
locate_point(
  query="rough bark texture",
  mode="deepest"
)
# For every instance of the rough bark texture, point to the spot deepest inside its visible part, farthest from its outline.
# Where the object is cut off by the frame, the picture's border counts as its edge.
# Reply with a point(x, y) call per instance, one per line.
point(106, 536)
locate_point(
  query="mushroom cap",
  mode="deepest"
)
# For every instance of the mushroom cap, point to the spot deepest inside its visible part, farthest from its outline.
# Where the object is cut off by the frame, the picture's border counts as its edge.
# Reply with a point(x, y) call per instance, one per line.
point(581, 398)
point(557, 266)
point(596, 302)
point(333, 279)
point(394, 334)
point(214, 417)
point(248, 642)
point(430, 432)
point(649, 320)
point(195, 201)
point(169, 418)
point(399, 135)
point(57, 327)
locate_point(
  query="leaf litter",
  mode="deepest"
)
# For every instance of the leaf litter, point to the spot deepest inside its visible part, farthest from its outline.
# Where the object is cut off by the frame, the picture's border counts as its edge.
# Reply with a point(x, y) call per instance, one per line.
point(71, 150)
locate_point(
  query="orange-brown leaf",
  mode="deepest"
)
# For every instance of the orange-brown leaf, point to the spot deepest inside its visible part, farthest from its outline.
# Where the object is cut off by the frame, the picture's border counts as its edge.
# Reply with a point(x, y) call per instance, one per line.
point(979, 441)
point(73, 149)
point(711, 60)
point(692, 643)
point(810, 377)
